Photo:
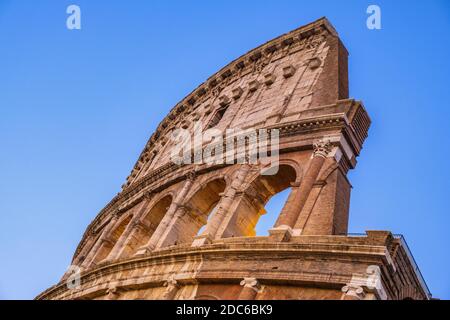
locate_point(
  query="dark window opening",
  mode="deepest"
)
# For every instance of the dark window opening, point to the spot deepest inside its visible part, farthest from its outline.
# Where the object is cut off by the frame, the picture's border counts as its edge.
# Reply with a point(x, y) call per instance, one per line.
point(217, 117)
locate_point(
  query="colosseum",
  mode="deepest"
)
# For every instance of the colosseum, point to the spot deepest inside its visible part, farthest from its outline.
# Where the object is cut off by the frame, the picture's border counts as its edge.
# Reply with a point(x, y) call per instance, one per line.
point(186, 231)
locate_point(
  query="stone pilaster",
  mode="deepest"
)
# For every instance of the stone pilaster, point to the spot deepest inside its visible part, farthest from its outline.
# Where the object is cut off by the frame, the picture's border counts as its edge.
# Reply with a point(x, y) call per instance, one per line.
point(184, 225)
point(131, 227)
point(163, 226)
point(223, 208)
point(104, 238)
point(172, 287)
point(297, 199)
point(138, 228)
point(250, 289)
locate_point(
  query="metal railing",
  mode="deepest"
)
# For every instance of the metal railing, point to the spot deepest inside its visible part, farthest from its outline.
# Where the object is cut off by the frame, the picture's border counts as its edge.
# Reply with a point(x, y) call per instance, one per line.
point(413, 261)
point(415, 265)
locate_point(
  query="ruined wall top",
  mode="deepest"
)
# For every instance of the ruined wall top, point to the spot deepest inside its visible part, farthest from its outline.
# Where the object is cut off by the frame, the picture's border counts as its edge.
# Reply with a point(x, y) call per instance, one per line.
point(275, 83)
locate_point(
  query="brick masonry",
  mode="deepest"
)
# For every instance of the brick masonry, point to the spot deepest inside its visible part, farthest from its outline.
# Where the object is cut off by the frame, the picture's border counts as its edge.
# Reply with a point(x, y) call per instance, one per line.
point(188, 231)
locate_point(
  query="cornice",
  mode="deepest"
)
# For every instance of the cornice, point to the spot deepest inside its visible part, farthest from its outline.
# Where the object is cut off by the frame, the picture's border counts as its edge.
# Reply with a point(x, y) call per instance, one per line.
point(244, 247)
point(365, 249)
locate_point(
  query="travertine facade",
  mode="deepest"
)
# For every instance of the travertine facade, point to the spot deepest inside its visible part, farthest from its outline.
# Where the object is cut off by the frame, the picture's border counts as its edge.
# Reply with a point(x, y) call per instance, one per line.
point(188, 231)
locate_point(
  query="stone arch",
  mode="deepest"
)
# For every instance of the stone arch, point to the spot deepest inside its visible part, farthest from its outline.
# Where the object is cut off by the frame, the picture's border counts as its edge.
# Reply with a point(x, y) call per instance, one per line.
point(147, 224)
point(113, 237)
point(196, 210)
point(256, 172)
point(291, 163)
point(206, 179)
point(205, 297)
point(327, 172)
point(163, 194)
point(255, 194)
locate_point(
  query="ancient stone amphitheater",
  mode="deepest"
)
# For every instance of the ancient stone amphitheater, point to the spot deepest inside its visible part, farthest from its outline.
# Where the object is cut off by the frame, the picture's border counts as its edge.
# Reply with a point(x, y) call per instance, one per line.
point(180, 231)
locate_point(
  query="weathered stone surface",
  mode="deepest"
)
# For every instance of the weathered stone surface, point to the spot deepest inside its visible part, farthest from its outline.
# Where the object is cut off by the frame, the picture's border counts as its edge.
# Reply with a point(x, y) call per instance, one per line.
point(188, 231)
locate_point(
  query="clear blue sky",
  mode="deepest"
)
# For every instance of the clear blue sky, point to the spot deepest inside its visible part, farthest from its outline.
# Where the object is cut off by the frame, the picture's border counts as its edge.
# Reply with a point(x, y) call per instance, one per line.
point(77, 107)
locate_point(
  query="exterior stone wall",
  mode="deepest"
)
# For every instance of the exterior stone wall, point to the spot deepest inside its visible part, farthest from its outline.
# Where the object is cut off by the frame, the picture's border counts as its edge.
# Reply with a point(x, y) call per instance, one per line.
point(306, 267)
point(188, 231)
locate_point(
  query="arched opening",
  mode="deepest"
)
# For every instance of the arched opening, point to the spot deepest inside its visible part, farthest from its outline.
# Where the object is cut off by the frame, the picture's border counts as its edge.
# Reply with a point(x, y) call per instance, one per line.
point(113, 238)
point(273, 209)
point(210, 216)
point(142, 233)
point(199, 208)
point(254, 201)
point(206, 297)
point(218, 115)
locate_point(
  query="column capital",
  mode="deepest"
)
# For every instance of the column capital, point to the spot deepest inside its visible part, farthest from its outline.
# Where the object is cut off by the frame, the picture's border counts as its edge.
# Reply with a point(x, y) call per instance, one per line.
point(295, 184)
point(148, 195)
point(251, 283)
point(107, 240)
point(183, 210)
point(116, 215)
point(322, 148)
point(370, 282)
point(171, 282)
point(113, 292)
point(172, 287)
point(141, 225)
point(93, 232)
point(353, 292)
point(191, 175)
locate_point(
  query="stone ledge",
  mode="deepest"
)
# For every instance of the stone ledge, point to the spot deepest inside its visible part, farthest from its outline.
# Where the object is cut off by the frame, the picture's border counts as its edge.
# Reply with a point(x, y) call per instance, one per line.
point(336, 248)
